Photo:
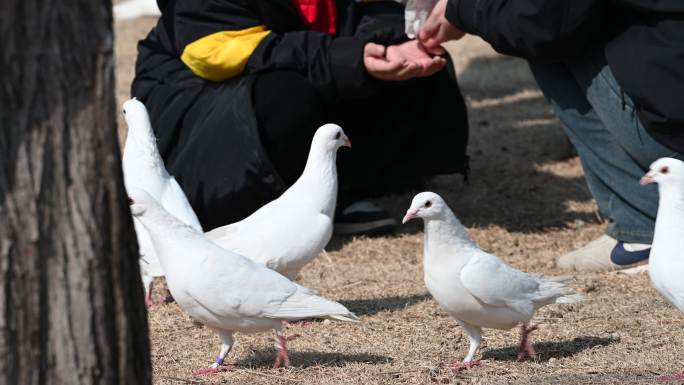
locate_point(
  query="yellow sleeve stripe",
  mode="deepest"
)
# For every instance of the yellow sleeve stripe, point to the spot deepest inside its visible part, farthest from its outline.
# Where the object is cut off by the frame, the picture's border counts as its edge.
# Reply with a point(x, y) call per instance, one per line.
point(222, 55)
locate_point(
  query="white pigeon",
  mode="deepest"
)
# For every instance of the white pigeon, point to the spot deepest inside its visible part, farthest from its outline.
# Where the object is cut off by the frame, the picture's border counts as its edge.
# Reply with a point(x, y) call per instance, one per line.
point(289, 232)
point(478, 289)
point(132, 9)
point(666, 261)
point(224, 290)
point(144, 168)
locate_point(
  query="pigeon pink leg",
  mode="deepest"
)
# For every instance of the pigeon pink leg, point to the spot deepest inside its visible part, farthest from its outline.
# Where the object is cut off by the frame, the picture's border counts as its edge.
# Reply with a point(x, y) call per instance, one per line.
point(672, 377)
point(227, 342)
point(282, 357)
point(525, 348)
point(466, 365)
point(148, 299)
point(474, 334)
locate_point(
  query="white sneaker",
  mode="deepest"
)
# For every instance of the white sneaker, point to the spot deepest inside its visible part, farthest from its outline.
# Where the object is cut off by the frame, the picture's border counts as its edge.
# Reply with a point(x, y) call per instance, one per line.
point(602, 254)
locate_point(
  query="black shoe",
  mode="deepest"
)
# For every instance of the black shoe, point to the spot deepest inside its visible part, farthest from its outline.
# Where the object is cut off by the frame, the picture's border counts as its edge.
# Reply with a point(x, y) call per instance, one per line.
point(363, 218)
point(625, 259)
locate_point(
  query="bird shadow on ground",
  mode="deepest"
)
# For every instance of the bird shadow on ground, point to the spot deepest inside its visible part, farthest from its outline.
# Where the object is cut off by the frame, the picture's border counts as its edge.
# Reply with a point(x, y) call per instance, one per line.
point(264, 359)
point(373, 306)
point(547, 350)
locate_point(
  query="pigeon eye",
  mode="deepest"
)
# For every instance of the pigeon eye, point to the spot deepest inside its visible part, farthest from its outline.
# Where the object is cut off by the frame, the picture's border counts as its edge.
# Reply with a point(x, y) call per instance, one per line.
point(124, 111)
point(428, 204)
point(664, 170)
point(338, 135)
point(130, 201)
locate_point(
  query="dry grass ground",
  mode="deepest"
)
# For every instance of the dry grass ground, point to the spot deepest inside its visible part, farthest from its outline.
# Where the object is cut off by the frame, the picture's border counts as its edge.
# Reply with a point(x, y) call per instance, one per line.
point(526, 202)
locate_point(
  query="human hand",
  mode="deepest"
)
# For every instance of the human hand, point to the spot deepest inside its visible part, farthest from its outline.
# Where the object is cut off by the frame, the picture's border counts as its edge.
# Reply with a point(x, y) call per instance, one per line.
point(437, 29)
point(414, 52)
point(382, 67)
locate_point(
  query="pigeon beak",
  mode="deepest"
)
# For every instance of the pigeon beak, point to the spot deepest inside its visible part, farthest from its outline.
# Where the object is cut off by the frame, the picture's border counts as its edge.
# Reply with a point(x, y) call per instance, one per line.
point(410, 214)
point(347, 142)
point(647, 179)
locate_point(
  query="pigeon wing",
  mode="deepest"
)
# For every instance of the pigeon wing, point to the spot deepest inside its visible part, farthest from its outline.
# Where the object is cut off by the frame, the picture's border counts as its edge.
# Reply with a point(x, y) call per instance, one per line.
point(293, 238)
point(495, 283)
point(233, 286)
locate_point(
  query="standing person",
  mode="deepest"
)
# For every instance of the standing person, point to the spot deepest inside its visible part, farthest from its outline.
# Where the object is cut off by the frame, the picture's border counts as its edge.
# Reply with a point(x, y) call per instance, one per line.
point(614, 74)
point(236, 89)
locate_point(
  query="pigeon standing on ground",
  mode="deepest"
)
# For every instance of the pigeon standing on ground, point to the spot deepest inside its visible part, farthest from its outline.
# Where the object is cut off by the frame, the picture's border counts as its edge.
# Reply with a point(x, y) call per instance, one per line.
point(291, 231)
point(132, 9)
point(666, 262)
point(144, 168)
point(224, 290)
point(478, 289)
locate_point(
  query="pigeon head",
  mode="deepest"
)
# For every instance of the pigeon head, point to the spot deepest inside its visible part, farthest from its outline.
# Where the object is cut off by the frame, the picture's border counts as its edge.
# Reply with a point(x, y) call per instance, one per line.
point(134, 111)
point(665, 171)
point(426, 205)
point(330, 137)
point(139, 201)
point(138, 120)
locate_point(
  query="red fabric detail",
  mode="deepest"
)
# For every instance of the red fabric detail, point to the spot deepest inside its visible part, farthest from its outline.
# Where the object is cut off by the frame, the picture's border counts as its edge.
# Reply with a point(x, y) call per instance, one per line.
point(319, 15)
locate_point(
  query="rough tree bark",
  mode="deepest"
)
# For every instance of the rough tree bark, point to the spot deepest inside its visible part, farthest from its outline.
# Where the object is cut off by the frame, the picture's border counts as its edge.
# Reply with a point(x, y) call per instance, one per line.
point(71, 301)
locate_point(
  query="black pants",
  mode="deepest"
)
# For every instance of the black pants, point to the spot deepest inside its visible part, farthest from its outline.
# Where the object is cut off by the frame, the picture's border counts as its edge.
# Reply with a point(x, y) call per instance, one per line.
point(403, 134)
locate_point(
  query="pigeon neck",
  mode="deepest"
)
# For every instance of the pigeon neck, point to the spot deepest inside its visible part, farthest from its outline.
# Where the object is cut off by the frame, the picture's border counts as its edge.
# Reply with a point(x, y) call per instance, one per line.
point(447, 232)
point(670, 220)
point(142, 161)
point(320, 176)
point(168, 234)
point(143, 139)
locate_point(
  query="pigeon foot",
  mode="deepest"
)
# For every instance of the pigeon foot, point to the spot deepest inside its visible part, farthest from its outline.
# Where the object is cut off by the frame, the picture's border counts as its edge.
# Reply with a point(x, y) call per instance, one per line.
point(282, 357)
point(212, 370)
point(461, 366)
point(149, 302)
point(672, 377)
point(525, 349)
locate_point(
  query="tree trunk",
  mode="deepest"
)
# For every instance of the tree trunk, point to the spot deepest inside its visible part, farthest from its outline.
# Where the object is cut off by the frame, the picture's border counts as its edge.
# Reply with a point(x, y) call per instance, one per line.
point(71, 300)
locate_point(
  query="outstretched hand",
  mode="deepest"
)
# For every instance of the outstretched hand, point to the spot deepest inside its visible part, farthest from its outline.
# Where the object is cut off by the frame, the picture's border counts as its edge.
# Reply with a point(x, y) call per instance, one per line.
point(437, 29)
point(414, 52)
point(400, 62)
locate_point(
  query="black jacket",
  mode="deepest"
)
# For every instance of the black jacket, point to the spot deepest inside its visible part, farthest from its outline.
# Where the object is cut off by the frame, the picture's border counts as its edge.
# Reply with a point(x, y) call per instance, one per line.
point(202, 107)
point(644, 45)
point(332, 63)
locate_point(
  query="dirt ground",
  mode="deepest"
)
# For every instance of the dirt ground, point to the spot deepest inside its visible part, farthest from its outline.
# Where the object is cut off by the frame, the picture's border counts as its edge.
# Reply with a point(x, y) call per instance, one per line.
point(526, 201)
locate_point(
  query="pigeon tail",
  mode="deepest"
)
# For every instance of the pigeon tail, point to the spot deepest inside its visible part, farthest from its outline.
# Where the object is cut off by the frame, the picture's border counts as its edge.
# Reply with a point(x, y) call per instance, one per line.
point(570, 299)
point(351, 317)
point(556, 290)
point(304, 304)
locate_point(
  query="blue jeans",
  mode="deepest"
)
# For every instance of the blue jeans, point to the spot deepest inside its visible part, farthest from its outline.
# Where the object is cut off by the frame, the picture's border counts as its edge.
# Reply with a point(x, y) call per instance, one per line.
point(613, 146)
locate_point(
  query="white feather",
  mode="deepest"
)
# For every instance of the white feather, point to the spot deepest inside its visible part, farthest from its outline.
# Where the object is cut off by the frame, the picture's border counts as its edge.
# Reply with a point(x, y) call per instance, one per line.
point(144, 168)
point(222, 289)
point(132, 9)
point(666, 260)
point(477, 288)
point(289, 232)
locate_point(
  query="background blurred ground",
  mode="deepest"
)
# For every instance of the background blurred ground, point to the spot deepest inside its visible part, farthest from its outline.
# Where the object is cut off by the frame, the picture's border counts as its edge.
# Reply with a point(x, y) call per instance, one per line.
point(526, 201)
